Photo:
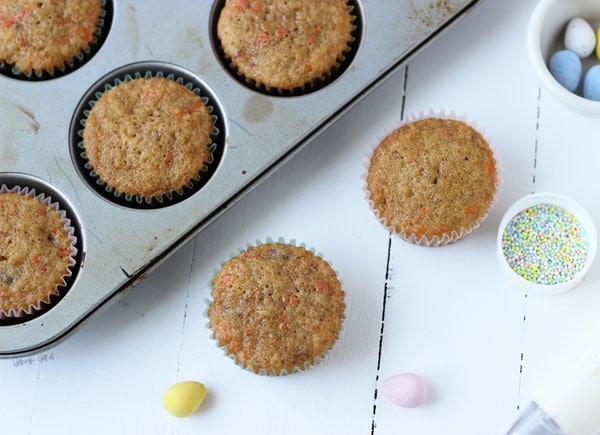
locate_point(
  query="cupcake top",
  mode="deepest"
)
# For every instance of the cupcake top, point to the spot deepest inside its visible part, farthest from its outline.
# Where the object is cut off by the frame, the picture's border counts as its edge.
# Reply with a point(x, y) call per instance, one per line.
point(432, 178)
point(285, 45)
point(276, 308)
point(40, 35)
point(148, 137)
point(35, 253)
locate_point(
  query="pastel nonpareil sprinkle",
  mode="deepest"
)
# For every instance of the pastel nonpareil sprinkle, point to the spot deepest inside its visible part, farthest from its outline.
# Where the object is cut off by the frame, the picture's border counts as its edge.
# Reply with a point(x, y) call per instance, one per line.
point(545, 244)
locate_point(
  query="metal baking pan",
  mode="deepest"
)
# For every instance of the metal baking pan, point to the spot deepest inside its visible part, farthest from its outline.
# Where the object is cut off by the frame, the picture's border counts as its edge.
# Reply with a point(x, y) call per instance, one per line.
point(120, 244)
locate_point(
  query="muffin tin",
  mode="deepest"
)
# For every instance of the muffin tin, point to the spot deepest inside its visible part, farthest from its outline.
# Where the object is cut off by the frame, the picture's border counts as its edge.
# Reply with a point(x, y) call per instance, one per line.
point(120, 242)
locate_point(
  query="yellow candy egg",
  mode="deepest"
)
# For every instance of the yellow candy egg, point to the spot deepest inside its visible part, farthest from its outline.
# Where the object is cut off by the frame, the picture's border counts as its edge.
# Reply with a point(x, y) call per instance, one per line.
point(183, 398)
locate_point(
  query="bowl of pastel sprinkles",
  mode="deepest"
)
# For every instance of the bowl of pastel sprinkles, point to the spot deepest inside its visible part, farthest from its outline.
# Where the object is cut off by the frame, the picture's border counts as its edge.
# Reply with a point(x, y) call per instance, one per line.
point(546, 243)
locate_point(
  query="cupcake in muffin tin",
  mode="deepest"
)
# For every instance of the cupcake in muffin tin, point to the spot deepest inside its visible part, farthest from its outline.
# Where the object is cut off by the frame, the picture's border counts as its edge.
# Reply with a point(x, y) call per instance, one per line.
point(42, 40)
point(147, 135)
point(38, 252)
point(286, 48)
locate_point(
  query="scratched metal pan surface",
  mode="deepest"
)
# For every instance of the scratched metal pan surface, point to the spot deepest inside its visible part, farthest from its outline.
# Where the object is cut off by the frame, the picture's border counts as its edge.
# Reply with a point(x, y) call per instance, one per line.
point(119, 244)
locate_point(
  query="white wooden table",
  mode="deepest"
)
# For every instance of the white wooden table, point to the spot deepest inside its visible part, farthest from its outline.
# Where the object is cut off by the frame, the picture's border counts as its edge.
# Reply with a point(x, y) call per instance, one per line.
point(483, 346)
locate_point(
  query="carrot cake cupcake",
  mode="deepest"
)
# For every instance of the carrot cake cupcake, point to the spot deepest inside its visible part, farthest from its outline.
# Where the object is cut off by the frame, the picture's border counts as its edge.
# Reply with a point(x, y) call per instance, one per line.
point(432, 180)
point(148, 137)
point(285, 44)
point(40, 35)
point(276, 309)
point(36, 252)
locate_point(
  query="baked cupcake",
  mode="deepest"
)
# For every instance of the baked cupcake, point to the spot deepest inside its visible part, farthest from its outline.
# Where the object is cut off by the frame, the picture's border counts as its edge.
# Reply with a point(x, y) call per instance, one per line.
point(148, 138)
point(277, 308)
point(37, 250)
point(432, 180)
point(39, 36)
point(285, 45)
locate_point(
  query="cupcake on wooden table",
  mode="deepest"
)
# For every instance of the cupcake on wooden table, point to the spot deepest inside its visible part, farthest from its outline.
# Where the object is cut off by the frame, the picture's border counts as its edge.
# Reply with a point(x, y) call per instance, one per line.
point(277, 308)
point(44, 36)
point(285, 45)
point(432, 180)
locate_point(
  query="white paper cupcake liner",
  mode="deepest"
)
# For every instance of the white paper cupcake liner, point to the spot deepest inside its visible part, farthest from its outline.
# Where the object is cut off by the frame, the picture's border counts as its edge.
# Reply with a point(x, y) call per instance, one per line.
point(455, 235)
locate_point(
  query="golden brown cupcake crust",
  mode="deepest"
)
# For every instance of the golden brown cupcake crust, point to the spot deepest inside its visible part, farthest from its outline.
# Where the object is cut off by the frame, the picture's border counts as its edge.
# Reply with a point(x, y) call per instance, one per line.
point(40, 35)
point(285, 45)
point(431, 177)
point(148, 137)
point(35, 252)
point(276, 307)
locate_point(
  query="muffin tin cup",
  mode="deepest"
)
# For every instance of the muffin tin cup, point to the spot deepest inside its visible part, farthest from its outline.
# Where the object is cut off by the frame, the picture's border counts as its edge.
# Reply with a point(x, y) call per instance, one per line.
point(25, 313)
point(447, 238)
point(100, 35)
point(580, 216)
point(342, 63)
point(259, 370)
point(147, 69)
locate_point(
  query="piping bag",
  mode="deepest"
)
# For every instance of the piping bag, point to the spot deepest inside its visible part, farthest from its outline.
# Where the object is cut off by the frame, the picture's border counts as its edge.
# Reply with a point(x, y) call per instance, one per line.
point(570, 404)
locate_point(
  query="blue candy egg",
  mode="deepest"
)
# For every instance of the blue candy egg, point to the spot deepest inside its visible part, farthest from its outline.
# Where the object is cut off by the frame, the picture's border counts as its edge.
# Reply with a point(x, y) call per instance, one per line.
point(565, 67)
point(591, 84)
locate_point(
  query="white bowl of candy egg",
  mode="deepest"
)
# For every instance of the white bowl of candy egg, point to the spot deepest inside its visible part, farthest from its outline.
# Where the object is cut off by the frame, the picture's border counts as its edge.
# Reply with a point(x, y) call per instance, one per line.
point(563, 43)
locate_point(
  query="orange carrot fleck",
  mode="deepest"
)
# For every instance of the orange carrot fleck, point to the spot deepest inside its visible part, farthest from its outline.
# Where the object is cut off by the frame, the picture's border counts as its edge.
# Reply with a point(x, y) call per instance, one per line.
point(441, 230)
point(419, 231)
point(240, 5)
point(307, 67)
point(414, 154)
point(263, 38)
point(189, 109)
point(22, 41)
point(168, 157)
point(423, 211)
point(281, 31)
point(322, 287)
point(257, 6)
point(225, 280)
point(63, 252)
point(36, 258)
point(86, 35)
point(471, 210)
point(290, 300)
point(7, 22)
point(491, 169)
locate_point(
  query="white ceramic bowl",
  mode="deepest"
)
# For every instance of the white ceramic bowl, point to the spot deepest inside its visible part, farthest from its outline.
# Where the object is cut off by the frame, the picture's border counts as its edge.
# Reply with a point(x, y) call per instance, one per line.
point(545, 35)
point(566, 204)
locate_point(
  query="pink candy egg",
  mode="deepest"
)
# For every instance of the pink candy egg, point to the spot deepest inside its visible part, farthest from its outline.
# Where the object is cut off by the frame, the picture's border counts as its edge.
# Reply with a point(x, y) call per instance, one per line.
point(405, 389)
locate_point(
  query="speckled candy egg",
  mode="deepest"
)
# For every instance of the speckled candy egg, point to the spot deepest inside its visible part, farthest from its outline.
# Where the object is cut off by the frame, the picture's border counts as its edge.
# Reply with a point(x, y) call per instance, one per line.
point(565, 67)
point(405, 389)
point(591, 84)
point(183, 398)
point(580, 38)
